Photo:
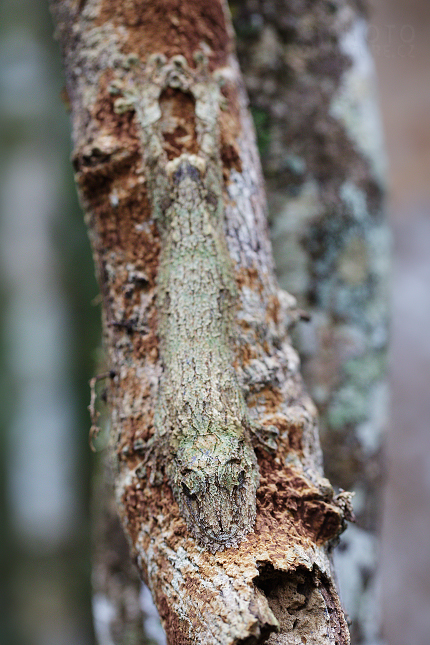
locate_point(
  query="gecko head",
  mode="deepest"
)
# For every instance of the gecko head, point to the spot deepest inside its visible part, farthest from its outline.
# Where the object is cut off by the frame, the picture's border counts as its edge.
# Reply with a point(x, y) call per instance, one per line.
point(215, 484)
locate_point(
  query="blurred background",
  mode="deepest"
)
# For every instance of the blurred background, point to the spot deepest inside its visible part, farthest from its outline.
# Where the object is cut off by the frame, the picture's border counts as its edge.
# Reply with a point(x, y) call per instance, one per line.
point(49, 336)
point(48, 345)
point(400, 42)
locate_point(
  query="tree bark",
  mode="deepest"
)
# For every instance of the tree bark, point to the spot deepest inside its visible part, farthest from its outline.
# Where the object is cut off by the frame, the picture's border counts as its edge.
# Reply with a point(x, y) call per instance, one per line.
point(158, 105)
point(312, 87)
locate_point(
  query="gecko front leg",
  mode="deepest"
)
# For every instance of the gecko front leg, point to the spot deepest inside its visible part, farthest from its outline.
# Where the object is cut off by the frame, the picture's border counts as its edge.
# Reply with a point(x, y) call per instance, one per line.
point(265, 436)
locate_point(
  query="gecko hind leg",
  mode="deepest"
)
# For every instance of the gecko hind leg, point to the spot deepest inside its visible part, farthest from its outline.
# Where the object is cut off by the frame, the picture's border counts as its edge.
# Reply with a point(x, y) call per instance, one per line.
point(150, 450)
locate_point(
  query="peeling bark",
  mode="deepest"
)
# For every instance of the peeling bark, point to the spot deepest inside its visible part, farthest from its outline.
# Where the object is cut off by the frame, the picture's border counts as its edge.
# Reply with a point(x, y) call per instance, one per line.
point(277, 585)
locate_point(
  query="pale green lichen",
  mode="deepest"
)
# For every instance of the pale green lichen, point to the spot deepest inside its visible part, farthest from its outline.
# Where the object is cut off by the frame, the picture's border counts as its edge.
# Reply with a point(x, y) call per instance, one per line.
point(365, 369)
point(354, 103)
point(355, 199)
point(348, 406)
point(292, 258)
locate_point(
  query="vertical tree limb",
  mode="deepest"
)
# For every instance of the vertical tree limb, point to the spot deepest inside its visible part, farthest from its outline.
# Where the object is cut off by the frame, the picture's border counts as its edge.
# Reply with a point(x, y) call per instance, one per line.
point(309, 73)
point(277, 584)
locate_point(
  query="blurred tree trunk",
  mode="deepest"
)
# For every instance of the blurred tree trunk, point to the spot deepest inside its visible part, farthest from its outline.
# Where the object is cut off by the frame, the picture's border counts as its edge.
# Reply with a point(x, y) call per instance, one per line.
point(48, 330)
point(311, 82)
point(277, 586)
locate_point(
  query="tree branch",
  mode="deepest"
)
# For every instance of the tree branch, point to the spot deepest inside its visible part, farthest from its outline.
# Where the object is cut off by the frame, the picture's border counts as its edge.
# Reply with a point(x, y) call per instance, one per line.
point(277, 584)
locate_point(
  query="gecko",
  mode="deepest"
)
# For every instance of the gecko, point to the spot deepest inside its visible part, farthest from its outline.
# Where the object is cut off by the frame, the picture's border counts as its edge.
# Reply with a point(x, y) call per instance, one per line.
point(203, 435)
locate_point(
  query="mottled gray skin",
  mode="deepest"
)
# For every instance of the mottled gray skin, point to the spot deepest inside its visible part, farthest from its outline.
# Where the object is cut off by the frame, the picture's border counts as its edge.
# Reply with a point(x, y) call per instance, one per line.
point(201, 418)
point(202, 430)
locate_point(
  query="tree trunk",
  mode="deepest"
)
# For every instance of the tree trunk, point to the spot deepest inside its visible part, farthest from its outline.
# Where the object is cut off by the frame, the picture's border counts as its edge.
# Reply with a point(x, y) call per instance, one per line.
point(312, 87)
point(196, 327)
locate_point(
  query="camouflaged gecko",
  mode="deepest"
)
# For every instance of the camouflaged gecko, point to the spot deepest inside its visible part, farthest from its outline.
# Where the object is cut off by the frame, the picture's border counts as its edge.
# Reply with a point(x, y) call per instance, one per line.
point(202, 427)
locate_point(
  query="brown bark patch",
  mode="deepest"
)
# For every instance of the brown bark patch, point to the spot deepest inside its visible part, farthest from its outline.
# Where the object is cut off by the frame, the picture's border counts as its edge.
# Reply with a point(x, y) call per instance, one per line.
point(292, 429)
point(249, 277)
point(177, 630)
point(269, 397)
point(273, 309)
point(245, 354)
point(146, 346)
point(131, 429)
point(229, 154)
point(295, 436)
point(230, 129)
point(120, 228)
point(294, 502)
point(178, 123)
point(99, 172)
point(109, 177)
point(123, 126)
point(170, 27)
point(146, 504)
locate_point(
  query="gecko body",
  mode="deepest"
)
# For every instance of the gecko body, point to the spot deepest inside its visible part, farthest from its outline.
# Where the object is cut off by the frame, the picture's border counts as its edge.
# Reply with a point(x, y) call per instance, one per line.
point(201, 416)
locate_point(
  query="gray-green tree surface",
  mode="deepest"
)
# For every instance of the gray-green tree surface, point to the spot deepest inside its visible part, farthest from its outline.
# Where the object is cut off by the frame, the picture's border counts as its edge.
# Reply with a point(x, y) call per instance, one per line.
point(168, 175)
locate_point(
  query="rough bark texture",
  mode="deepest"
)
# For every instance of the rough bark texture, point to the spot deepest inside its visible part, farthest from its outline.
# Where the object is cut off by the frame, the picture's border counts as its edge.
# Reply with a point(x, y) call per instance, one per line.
point(277, 585)
point(311, 82)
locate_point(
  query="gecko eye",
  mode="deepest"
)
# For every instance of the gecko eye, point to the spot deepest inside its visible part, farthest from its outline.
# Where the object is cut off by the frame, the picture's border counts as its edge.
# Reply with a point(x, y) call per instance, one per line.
point(191, 484)
point(233, 474)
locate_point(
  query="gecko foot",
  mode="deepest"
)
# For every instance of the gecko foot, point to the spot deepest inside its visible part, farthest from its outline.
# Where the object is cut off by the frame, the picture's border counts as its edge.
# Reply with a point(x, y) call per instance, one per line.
point(265, 436)
point(151, 455)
